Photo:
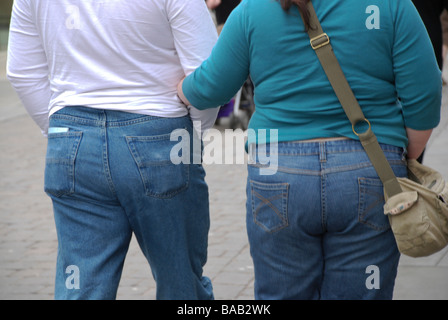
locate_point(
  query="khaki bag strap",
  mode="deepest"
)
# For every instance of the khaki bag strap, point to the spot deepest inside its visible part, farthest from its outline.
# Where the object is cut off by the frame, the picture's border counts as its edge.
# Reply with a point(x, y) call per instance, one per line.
point(320, 42)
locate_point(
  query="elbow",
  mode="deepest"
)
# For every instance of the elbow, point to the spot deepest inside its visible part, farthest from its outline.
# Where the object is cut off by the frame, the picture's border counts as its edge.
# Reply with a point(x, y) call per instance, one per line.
point(15, 78)
point(434, 93)
point(12, 71)
point(10, 76)
point(431, 92)
point(436, 88)
point(26, 83)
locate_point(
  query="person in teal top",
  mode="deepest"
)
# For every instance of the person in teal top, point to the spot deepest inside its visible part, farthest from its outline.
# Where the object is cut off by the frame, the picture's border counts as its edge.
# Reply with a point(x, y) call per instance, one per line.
point(385, 58)
point(316, 225)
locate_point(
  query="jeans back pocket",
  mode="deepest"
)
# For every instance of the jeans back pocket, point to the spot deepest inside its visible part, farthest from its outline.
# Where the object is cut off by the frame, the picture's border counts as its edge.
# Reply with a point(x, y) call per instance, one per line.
point(371, 204)
point(270, 205)
point(160, 176)
point(60, 163)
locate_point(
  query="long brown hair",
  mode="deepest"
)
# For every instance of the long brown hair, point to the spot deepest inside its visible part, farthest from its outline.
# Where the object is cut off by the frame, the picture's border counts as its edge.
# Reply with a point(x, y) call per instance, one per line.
point(302, 4)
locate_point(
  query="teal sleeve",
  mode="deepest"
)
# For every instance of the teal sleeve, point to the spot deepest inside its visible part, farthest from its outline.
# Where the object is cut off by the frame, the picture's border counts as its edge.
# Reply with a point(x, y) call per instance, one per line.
point(220, 77)
point(418, 78)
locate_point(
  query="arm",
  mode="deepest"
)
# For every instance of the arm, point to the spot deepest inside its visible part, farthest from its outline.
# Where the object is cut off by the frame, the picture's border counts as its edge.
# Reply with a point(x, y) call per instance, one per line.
point(220, 77)
point(194, 35)
point(27, 67)
point(212, 4)
point(195, 113)
point(417, 78)
point(417, 142)
point(180, 92)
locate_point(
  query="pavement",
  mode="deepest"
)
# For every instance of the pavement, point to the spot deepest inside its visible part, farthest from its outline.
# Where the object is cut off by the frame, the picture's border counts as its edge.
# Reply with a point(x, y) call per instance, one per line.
point(28, 243)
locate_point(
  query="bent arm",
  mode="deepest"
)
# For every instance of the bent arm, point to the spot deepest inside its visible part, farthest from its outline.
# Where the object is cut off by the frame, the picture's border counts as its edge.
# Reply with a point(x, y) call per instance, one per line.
point(194, 35)
point(220, 77)
point(417, 142)
point(27, 67)
point(417, 78)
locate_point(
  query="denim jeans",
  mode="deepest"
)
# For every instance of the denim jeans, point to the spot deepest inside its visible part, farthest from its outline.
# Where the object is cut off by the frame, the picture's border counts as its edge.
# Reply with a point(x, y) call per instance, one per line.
point(110, 176)
point(316, 227)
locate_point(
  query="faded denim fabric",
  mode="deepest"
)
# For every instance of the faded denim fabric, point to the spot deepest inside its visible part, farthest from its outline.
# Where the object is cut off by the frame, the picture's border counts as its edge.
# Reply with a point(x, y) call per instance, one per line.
point(317, 227)
point(110, 176)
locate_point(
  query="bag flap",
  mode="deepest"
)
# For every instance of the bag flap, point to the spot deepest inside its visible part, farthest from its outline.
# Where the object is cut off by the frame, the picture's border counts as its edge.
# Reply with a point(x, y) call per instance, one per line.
point(426, 176)
point(400, 203)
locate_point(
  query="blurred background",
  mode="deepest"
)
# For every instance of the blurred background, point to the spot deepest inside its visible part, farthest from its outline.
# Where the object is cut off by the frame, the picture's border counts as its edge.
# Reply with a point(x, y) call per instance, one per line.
point(5, 16)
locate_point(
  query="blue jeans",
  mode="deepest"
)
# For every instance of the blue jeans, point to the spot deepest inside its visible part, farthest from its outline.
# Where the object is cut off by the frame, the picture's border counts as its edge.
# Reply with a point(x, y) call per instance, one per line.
point(109, 175)
point(317, 229)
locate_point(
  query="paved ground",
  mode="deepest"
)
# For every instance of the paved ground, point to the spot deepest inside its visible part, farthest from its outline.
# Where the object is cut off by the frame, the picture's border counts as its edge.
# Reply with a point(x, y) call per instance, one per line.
point(28, 238)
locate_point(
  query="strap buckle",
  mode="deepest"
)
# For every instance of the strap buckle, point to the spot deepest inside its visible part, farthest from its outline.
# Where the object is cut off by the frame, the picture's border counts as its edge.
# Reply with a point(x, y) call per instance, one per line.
point(354, 129)
point(320, 41)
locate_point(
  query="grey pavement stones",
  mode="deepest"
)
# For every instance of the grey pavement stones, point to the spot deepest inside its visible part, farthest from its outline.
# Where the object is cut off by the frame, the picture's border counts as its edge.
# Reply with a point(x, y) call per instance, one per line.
point(28, 241)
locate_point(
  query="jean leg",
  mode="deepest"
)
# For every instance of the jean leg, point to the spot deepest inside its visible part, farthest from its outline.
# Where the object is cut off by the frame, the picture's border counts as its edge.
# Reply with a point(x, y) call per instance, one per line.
point(93, 231)
point(285, 248)
point(93, 240)
point(167, 205)
point(178, 251)
point(360, 267)
point(360, 252)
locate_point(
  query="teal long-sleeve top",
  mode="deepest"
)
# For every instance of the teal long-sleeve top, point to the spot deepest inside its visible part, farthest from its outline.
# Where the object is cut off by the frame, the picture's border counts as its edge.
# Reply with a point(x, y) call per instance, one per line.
point(382, 46)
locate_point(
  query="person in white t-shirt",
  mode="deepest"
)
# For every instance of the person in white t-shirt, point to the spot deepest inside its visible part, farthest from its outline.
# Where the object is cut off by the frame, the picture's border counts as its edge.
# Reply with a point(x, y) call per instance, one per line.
point(99, 79)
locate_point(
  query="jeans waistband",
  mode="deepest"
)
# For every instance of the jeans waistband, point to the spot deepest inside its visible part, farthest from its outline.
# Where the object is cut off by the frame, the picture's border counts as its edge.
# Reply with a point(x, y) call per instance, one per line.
point(317, 146)
point(101, 117)
point(324, 139)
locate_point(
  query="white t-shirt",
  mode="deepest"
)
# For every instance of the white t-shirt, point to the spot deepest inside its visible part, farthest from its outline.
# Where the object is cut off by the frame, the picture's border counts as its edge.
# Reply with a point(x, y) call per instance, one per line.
point(126, 55)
